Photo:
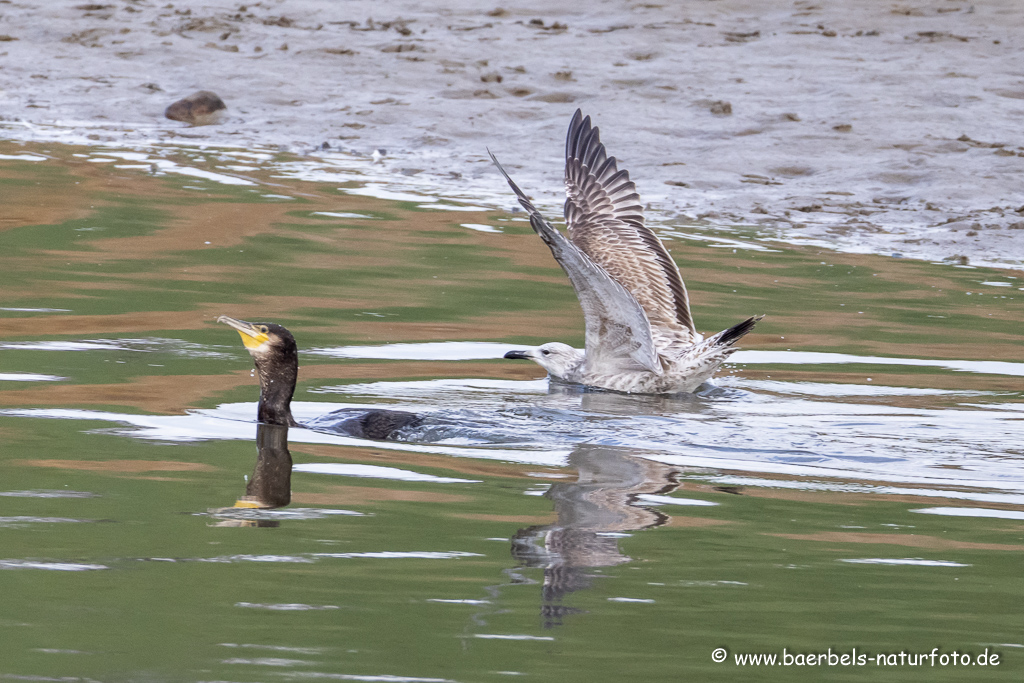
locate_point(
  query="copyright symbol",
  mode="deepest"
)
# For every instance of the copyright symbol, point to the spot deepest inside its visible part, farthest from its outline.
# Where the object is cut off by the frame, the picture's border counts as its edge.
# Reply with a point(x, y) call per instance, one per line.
point(718, 655)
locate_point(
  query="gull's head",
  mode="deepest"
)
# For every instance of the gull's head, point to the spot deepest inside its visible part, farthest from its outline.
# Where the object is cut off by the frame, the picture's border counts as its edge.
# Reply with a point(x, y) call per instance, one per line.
point(557, 358)
point(270, 345)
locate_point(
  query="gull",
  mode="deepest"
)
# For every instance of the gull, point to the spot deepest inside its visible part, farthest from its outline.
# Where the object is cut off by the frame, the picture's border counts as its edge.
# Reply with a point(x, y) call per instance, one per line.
point(640, 337)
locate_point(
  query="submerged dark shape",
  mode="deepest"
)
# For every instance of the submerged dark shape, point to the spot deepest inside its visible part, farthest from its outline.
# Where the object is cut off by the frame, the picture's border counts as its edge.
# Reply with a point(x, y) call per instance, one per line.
point(640, 336)
point(276, 355)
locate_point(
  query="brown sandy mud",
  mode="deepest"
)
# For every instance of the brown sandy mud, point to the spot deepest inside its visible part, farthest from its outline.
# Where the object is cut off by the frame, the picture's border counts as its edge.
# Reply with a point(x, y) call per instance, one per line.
point(885, 126)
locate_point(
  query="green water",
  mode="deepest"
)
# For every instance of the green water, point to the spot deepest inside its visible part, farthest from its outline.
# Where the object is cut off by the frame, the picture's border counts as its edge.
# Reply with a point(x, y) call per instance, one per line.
point(118, 562)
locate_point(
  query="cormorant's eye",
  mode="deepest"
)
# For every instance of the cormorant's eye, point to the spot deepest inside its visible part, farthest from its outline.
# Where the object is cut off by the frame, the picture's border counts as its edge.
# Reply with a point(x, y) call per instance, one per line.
point(264, 329)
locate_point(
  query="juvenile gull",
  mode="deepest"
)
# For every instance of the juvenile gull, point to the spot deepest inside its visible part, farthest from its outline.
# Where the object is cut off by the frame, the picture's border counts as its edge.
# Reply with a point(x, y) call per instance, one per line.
point(640, 336)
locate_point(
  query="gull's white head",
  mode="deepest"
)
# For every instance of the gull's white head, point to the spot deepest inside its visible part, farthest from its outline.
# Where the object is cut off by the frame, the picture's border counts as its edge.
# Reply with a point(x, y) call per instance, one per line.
point(557, 358)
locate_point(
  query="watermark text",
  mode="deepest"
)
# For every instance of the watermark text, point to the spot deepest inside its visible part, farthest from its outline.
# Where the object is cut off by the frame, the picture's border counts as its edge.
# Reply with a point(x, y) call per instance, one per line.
point(854, 657)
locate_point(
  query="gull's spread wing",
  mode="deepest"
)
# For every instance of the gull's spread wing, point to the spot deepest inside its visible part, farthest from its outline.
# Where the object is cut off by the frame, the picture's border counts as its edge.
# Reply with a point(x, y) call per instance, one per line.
point(618, 333)
point(605, 220)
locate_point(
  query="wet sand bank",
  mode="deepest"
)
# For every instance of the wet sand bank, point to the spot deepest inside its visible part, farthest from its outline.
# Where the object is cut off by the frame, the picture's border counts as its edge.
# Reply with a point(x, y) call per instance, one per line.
point(887, 127)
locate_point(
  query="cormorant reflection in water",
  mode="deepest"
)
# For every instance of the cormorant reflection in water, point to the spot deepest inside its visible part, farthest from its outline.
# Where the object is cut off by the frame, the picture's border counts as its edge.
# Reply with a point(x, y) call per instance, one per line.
point(269, 487)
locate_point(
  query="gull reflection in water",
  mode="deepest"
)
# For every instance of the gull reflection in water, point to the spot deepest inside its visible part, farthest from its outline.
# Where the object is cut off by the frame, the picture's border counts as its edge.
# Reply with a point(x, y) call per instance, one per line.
point(269, 487)
point(593, 513)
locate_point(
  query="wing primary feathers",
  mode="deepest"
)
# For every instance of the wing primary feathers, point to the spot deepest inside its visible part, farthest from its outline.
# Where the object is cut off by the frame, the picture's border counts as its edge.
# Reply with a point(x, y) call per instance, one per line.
point(526, 203)
point(537, 221)
point(602, 200)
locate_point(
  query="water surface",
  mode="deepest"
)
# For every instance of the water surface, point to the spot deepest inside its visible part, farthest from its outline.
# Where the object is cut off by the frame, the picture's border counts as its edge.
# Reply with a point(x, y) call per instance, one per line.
point(853, 479)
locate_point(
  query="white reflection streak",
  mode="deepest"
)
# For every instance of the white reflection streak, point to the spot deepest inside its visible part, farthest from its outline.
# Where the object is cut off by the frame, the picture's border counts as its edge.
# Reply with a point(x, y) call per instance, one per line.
point(672, 500)
point(53, 566)
point(368, 679)
point(972, 512)
point(1013, 499)
point(394, 555)
point(28, 377)
point(908, 561)
point(285, 607)
point(818, 358)
point(267, 661)
point(377, 472)
point(499, 636)
point(22, 157)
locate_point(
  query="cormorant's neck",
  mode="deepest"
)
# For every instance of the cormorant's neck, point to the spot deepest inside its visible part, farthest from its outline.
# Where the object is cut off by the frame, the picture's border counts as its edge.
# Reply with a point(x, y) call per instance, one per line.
point(277, 385)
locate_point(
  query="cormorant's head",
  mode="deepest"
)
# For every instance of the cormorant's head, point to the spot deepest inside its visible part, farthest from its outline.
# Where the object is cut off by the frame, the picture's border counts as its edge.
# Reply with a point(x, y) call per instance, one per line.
point(557, 358)
point(264, 341)
point(276, 356)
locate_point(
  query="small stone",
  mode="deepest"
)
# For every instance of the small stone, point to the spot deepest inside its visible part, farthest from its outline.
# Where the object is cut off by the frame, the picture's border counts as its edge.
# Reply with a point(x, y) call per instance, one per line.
point(721, 108)
point(199, 109)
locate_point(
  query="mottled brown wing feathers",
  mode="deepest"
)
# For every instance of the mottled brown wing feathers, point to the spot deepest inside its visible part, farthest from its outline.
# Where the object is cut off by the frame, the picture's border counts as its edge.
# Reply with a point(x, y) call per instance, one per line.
point(618, 333)
point(605, 220)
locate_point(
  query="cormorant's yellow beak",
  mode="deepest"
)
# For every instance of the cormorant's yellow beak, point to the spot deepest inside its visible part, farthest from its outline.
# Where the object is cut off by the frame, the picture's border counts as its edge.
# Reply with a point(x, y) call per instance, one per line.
point(253, 335)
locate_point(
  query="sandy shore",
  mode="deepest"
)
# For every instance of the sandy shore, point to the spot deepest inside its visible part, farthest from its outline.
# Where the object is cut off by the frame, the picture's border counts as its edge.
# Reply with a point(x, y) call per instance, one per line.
point(876, 126)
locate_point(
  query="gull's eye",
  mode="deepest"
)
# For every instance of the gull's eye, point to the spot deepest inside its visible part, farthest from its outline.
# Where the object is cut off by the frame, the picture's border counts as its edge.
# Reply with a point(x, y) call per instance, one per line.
point(545, 352)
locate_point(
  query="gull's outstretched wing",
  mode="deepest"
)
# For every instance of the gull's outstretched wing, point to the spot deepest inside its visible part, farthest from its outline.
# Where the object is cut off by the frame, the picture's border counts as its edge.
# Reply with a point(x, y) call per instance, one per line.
point(618, 334)
point(606, 221)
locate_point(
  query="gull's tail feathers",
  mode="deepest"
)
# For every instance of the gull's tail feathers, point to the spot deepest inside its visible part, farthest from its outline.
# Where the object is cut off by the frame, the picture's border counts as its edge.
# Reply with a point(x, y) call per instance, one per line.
point(732, 335)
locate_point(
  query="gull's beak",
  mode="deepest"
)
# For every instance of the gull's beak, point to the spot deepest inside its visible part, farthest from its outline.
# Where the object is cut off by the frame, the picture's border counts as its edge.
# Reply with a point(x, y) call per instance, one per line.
point(253, 334)
point(518, 355)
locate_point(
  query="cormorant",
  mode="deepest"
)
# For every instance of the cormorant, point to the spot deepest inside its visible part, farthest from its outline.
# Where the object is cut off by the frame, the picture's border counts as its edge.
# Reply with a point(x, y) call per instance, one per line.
point(276, 356)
